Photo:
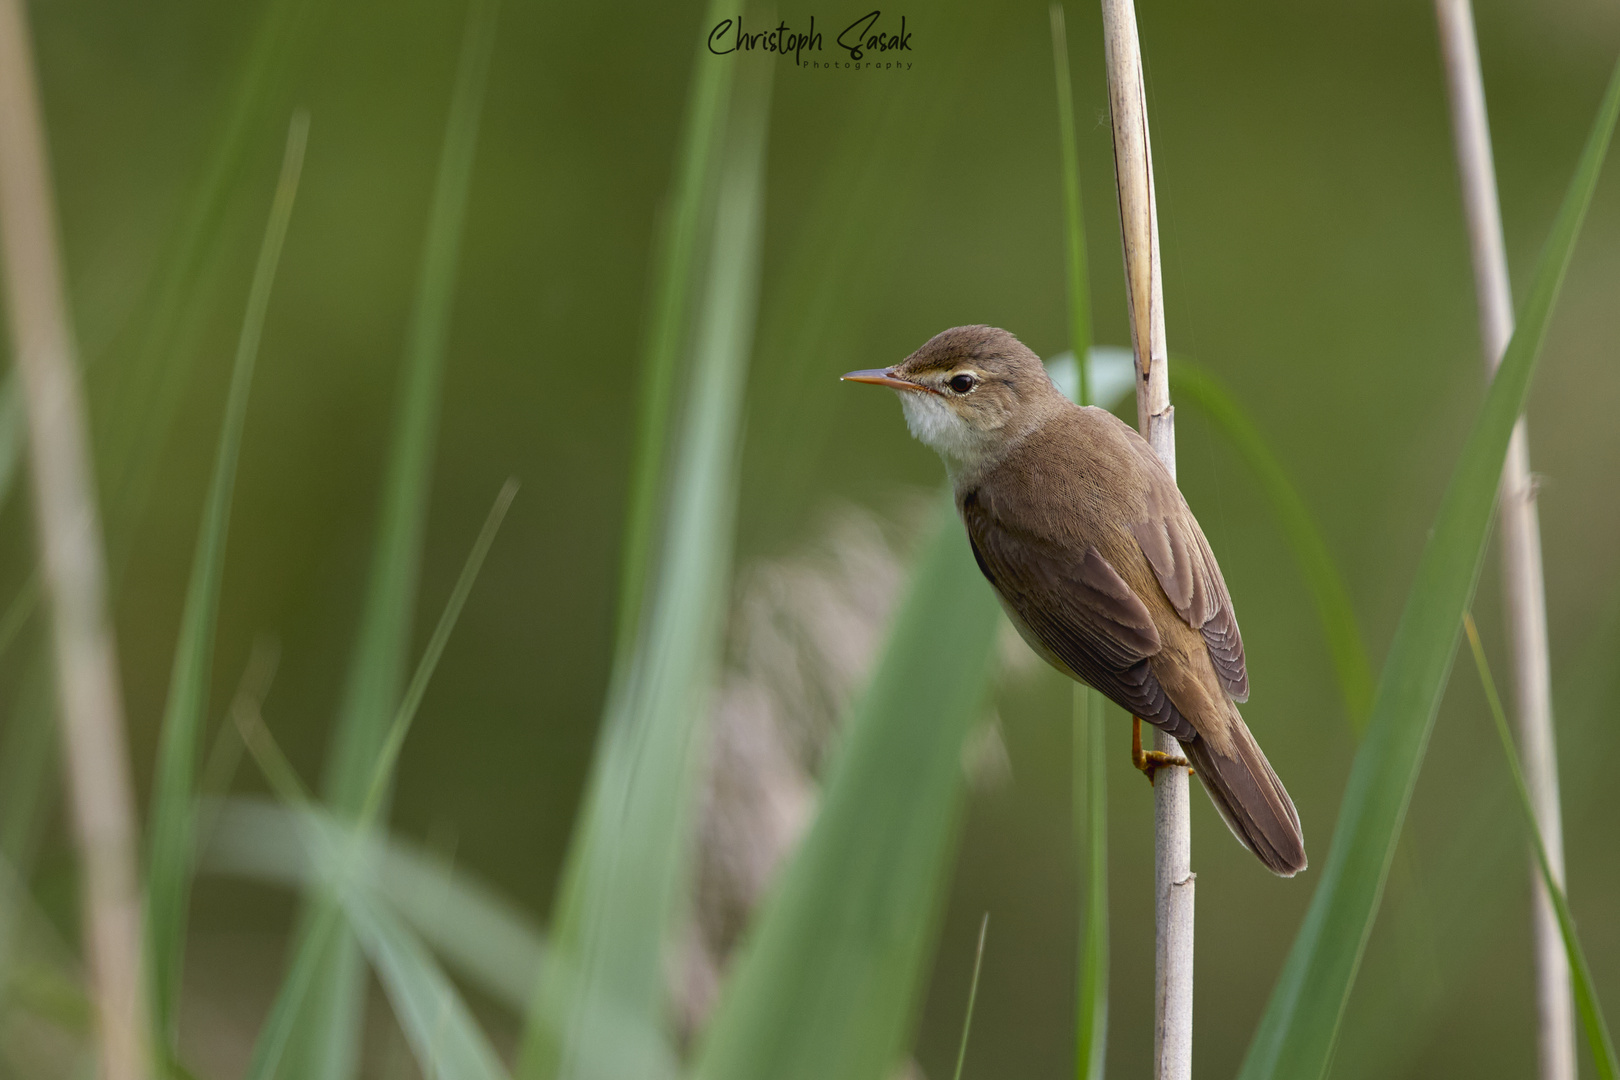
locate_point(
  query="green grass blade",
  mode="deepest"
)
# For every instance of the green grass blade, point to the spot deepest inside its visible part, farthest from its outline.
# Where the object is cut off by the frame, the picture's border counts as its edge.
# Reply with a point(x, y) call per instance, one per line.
point(326, 1043)
point(483, 936)
point(270, 1045)
point(148, 386)
point(1321, 573)
point(445, 1038)
point(20, 610)
point(377, 670)
point(973, 997)
point(11, 433)
point(28, 764)
point(631, 851)
point(1296, 1034)
point(1091, 824)
point(168, 876)
point(383, 771)
point(677, 260)
point(437, 1023)
point(1586, 1003)
point(1075, 230)
point(1089, 777)
point(323, 931)
point(826, 984)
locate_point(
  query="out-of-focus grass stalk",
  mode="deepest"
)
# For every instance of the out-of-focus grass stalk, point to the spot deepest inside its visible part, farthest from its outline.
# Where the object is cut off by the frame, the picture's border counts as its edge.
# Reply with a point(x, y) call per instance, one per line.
point(148, 386)
point(1301, 1022)
point(1091, 821)
point(1597, 1030)
point(1090, 777)
point(12, 432)
point(690, 205)
point(630, 856)
point(1144, 290)
point(172, 827)
point(377, 672)
point(70, 543)
point(1333, 608)
point(326, 1043)
point(161, 336)
point(1523, 587)
point(323, 929)
point(973, 997)
point(678, 262)
point(1386, 1032)
point(383, 770)
point(488, 938)
point(27, 762)
point(440, 1028)
point(1074, 247)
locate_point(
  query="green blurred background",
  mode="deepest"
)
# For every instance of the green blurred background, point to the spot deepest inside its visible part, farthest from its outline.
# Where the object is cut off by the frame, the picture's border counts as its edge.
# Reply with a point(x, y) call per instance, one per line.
point(1315, 262)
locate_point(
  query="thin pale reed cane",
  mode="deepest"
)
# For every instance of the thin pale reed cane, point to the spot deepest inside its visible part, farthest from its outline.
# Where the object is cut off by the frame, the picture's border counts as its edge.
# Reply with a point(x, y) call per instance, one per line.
point(1139, 228)
point(68, 531)
point(1523, 587)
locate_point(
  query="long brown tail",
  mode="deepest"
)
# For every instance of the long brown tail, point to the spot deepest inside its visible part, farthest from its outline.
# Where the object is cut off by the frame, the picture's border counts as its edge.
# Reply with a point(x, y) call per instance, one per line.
point(1252, 800)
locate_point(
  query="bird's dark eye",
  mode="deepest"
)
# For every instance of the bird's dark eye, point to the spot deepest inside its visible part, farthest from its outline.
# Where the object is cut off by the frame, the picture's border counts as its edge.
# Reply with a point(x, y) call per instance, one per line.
point(962, 383)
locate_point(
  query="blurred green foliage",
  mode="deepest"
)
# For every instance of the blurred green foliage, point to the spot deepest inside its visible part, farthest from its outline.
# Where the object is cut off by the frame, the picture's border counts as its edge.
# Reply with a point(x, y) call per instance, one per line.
point(1315, 263)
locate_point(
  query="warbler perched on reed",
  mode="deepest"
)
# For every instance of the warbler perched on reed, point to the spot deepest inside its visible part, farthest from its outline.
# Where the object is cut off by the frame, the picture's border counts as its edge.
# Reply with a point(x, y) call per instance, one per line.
point(1098, 562)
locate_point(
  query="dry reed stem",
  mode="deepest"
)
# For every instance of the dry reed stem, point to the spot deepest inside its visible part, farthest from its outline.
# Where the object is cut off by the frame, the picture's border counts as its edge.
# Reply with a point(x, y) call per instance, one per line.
point(69, 538)
point(1173, 879)
point(1522, 584)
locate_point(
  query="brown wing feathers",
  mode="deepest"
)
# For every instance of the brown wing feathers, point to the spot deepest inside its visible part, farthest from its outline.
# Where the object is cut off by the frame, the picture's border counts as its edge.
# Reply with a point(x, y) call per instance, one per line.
point(1084, 615)
point(1176, 549)
point(1080, 610)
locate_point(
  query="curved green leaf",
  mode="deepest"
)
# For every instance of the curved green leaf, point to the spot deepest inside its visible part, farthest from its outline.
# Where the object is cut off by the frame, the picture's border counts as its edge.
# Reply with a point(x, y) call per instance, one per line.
point(1597, 1030)
point(625, 881)
point(1296, 1034)
point(168, 874)
point(1332, 599)
point(284, 1032)
point(325, 1045)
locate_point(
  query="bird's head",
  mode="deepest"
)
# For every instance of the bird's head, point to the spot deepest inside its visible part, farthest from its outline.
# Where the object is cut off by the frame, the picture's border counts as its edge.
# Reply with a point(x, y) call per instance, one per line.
point(971, 393)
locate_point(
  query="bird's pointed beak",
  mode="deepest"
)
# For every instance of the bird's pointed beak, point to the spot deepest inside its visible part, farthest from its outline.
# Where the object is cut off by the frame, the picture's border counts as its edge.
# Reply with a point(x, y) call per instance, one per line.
point(881, 377)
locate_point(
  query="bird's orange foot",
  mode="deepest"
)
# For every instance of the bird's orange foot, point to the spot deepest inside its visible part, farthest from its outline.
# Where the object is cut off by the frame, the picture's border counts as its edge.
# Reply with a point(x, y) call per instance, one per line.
point(1151, 761)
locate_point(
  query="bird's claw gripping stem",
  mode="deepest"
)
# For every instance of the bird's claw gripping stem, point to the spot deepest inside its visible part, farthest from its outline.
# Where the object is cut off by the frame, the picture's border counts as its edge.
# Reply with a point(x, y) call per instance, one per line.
point(1151, 761)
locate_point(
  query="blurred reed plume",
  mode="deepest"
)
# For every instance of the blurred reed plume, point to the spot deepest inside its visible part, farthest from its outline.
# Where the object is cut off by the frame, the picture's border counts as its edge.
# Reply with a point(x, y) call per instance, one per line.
point(806, 631)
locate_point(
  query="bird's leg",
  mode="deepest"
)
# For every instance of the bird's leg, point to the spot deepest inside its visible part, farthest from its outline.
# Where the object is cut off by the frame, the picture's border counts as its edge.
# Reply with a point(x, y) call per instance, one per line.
point(1150, 761)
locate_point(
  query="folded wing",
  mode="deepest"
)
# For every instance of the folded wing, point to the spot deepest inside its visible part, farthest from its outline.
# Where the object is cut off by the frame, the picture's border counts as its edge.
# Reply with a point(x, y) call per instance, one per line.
point(1079, 608)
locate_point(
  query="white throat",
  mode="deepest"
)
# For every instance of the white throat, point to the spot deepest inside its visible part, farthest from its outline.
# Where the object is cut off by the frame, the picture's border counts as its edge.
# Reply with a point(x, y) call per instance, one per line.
point(934, 424)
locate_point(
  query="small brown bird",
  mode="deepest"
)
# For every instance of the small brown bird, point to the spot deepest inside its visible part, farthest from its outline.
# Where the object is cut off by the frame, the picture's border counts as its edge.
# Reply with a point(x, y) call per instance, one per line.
point(1098, 562)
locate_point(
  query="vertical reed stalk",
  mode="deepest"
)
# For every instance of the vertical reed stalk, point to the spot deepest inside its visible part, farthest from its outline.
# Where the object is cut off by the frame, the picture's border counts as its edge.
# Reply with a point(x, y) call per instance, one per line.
point(70, 545)
point(1144, 288)
point(1522, 584)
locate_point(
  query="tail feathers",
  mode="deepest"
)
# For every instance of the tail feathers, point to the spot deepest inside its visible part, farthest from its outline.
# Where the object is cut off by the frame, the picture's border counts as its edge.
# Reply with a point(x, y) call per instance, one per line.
point(1249, 796)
